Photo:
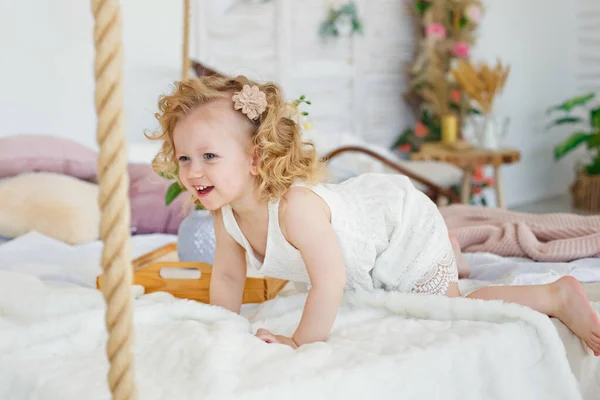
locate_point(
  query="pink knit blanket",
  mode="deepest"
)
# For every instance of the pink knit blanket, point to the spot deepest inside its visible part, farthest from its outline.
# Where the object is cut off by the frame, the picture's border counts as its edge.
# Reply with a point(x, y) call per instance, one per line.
point(540, 237)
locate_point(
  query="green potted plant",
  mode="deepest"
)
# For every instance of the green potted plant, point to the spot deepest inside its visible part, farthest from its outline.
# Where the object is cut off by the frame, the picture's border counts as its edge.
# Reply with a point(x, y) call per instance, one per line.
point(586, 188)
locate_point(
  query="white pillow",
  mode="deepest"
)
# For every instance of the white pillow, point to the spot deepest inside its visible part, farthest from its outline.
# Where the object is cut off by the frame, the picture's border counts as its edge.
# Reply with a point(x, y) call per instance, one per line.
point(56, 205)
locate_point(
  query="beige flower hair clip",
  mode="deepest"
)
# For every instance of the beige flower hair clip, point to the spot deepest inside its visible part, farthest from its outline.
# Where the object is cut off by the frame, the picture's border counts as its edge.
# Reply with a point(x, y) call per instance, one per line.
point(251, 101)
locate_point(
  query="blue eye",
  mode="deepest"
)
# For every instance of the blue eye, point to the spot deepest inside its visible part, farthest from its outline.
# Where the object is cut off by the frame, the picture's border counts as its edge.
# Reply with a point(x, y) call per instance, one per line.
point(209, 156)
point(183, 158)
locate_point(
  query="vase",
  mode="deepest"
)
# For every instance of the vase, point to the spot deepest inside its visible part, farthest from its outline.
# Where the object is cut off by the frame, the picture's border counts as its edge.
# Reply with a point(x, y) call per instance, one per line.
point(489, 131)
point(196, 238)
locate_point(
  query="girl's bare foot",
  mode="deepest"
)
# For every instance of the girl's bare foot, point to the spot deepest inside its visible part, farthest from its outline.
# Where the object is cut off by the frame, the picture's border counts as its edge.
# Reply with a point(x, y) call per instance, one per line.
point(576, 312)
point(464, 270)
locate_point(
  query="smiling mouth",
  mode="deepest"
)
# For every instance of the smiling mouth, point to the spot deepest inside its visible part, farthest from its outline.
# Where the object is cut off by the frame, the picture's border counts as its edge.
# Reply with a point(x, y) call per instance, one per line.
point(203, 190)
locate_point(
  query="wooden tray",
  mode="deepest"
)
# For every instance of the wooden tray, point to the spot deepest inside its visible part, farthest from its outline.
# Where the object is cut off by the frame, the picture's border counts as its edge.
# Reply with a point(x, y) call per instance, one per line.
point(147, 273)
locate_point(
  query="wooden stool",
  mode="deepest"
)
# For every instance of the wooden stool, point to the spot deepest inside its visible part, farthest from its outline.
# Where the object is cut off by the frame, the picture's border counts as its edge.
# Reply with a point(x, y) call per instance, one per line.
point(468, 160)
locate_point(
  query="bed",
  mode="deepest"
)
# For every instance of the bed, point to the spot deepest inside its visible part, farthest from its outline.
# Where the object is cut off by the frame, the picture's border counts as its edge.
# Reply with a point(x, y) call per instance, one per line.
point(383, 345)
point(52, 338)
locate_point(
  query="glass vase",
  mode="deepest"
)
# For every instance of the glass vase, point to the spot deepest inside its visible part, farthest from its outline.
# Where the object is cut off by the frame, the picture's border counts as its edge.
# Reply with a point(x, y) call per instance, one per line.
point(196, 238)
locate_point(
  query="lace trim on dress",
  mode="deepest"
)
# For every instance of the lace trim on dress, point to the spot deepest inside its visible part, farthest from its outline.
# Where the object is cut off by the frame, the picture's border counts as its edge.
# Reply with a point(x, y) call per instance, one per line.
point(436, 281)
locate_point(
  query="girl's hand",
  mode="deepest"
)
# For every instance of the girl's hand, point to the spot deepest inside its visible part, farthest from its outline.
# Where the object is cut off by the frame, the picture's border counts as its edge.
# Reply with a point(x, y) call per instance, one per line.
point(268, 337)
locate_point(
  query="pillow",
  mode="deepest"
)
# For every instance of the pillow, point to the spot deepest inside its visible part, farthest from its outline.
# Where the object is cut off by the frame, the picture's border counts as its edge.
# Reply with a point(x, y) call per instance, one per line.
point(44, 153)
point(147, 191)
point(55, 205)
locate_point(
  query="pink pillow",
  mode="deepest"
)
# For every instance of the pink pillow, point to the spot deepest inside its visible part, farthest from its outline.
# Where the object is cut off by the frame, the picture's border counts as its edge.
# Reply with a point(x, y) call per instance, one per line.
point(147, 191)
point(45, 153)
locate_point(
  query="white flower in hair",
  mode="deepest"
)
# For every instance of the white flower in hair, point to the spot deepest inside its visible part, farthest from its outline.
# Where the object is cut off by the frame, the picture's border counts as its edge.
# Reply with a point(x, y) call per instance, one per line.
point(251, 101)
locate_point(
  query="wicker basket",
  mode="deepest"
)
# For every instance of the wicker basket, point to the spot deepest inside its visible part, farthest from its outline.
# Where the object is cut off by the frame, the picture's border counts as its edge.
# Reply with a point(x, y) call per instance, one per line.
point(586, 192)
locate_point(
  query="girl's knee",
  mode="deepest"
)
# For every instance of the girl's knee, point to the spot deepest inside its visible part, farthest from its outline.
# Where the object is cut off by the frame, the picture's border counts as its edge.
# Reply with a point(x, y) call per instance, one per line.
point(453, 290)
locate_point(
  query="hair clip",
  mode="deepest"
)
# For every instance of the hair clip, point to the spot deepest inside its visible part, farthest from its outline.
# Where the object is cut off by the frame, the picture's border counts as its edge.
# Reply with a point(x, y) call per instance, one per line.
point(251, 101)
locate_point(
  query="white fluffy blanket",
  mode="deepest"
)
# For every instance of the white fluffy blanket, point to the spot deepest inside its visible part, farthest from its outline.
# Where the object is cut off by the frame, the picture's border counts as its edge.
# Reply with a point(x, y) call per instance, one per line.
point(383, 346)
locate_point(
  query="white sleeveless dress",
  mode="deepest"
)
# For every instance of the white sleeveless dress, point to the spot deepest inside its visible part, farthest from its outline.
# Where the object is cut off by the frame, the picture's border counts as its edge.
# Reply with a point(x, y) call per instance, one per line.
point(391, 234)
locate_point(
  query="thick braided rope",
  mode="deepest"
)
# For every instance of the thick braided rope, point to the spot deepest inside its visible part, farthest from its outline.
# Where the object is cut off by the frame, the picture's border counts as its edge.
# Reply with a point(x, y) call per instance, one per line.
point(186, 40)
point(113, 197)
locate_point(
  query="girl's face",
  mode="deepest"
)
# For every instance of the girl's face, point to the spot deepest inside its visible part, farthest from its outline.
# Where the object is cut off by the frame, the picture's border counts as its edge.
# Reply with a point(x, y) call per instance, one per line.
point(215, 154)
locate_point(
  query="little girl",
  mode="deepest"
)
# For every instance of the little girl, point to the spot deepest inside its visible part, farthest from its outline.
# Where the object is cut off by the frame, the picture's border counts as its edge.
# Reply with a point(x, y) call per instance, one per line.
point(235, 146)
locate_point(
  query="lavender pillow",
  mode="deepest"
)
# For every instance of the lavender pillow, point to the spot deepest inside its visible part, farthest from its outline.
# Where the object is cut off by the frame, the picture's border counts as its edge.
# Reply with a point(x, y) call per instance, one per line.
point(44, 153)
point(149, 214)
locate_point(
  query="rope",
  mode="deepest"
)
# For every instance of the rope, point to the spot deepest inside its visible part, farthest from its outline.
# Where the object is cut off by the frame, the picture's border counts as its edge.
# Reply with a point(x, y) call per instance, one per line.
point(186, 40)
point(113, 197)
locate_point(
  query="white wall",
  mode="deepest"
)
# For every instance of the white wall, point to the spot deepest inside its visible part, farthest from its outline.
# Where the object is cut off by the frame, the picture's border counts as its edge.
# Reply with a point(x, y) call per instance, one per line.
point(47, 70)
point(588, 46)
point(355, 84)
point(538, 41)
point(46, 74)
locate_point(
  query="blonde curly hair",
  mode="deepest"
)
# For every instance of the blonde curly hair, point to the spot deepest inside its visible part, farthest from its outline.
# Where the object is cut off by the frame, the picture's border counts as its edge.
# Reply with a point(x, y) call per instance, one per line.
point(283, 157)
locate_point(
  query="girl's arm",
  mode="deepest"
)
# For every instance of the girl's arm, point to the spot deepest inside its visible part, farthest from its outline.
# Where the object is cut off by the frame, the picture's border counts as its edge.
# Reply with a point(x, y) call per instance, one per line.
point(306, 224)
point(229, 269)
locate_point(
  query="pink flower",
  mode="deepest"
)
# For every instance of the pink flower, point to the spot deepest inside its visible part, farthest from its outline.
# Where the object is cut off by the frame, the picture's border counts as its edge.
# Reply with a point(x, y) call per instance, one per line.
point(436, 31)
point(421, 130)
point(455, 95)
point(461, 50)
point(404, 148)
point(473, 12)
point(478, 175)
